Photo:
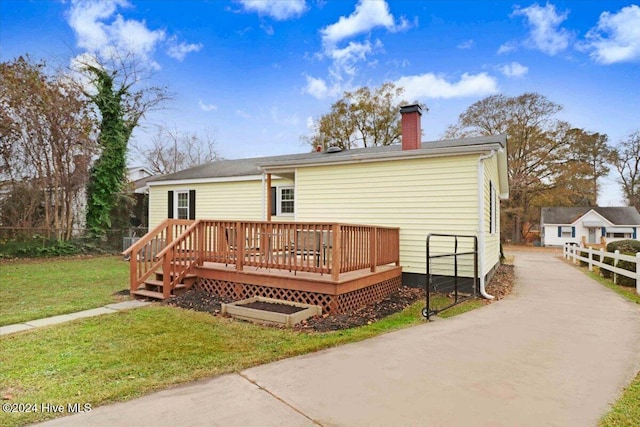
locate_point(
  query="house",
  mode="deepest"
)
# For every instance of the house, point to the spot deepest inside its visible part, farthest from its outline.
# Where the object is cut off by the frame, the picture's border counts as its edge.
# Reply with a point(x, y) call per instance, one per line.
point(588, 226)
point(412, 189)
point(138, 177)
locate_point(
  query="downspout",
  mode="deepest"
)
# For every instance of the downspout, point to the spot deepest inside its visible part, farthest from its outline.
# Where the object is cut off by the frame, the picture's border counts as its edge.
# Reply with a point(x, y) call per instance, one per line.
point(481, 160)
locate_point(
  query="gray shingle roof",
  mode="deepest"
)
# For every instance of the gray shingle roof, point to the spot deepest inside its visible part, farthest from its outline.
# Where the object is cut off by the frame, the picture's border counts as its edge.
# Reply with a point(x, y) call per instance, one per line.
point(568, 215)
point(251, 166)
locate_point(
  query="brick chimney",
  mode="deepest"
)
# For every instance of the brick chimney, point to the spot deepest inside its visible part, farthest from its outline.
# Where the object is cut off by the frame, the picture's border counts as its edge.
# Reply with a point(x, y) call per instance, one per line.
point(411, 130)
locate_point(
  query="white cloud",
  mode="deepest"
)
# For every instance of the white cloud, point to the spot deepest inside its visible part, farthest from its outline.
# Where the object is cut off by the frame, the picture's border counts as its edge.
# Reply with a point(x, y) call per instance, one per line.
point(507, 47)
point(346, 59)
point(277, 9)
point(546, 34)
point(103, 32)
point(316, 87)
point(616, 38)
point(207, 107)
point(514, 69)
point(429, 85)
point(100, 33)
point(467, 44)
point(348, 56)
point(367, 15)
point(311, 126)
point(180, 50)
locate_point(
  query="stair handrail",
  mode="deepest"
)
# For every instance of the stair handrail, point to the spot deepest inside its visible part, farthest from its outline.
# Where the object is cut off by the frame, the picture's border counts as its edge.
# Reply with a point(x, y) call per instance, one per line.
point(167, 258)
point(140, 270)
point(146, 238)
point(142, 260)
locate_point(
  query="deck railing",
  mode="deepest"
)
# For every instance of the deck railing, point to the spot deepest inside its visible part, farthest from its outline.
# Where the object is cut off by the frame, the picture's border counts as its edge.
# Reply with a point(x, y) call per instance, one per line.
point(324, 248)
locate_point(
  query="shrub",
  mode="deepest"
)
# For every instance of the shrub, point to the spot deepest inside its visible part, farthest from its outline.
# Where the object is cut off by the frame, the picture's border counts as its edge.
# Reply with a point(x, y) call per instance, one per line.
point(627, 247)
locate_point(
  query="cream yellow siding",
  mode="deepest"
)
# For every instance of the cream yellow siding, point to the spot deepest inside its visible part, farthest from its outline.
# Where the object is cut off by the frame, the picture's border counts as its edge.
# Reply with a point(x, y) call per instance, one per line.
point(491, 240)
point(421, 196)
point(236, 200)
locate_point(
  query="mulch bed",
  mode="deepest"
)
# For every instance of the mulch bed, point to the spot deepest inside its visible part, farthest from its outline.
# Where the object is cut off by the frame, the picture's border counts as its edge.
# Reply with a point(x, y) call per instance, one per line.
point(274, 307)
point(500, 286)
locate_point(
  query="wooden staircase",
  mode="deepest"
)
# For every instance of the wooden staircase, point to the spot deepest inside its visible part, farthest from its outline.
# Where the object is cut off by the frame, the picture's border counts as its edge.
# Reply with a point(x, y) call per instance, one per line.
point(152, 287)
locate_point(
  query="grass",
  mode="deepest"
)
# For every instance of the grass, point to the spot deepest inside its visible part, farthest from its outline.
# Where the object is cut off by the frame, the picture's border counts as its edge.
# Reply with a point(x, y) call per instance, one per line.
point(35, 289)
point(128, 354)
point(625, 291)
point(626, 411)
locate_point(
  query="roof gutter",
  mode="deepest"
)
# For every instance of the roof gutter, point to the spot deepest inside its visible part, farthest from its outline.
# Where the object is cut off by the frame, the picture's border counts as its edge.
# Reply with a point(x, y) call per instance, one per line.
point(481, 160)
point(275, 167)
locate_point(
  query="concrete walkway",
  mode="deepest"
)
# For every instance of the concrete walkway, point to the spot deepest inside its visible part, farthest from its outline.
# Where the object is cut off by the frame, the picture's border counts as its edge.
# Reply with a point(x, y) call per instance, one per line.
point(555, 353)
point(54, 320)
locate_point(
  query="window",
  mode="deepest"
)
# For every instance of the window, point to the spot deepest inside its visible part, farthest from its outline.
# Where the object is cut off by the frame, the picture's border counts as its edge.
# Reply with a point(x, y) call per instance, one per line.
point(182, 204)
point(182, 210)
point(286, 201)
point(566, 234)
point(619, 235)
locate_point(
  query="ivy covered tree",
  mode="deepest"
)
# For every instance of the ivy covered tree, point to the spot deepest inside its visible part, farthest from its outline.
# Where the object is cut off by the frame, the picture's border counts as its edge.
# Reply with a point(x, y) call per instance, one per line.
point(120, 107)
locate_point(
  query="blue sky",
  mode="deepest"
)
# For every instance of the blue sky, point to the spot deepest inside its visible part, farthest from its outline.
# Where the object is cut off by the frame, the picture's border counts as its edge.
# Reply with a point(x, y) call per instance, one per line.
point(257, 73)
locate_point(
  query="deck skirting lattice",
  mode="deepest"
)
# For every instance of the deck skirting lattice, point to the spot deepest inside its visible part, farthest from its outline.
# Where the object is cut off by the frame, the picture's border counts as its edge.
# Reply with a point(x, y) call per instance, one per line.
point(332, 304)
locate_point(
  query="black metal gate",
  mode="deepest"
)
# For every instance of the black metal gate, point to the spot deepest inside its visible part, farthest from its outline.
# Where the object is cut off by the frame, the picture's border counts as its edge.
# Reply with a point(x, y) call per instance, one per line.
point(452, 269)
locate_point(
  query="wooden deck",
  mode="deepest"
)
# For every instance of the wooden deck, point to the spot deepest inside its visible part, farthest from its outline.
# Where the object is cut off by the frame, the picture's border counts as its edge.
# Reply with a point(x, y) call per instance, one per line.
point(350, 291)
point(338, 266)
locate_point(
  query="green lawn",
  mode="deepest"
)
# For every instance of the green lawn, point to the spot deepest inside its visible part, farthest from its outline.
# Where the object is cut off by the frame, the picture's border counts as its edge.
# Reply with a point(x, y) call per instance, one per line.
point(32, 290)
point(626, 411)
point(127, 354)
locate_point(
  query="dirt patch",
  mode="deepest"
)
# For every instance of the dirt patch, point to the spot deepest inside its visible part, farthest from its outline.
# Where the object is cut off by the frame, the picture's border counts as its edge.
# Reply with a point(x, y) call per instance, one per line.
point(499, 286)
point(273, 307)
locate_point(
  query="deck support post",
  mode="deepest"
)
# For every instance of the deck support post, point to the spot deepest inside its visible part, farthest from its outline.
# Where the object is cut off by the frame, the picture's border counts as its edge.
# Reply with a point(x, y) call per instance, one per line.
point(270, 200)
point(373, 248)
point(200, 232)
point(336, 251)
point(240, 244)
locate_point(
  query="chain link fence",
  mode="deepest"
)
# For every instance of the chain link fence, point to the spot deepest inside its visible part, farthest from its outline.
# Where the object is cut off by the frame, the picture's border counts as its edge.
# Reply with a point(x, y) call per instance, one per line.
point(41, 242)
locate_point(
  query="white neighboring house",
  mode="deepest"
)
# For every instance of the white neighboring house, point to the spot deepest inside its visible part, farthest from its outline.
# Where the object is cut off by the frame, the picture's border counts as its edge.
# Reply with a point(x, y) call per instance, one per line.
point(138, 177)
point(588, 225)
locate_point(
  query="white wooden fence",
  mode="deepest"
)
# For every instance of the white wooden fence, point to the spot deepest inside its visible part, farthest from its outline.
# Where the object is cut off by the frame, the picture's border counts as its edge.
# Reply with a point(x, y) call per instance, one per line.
point(596, 257)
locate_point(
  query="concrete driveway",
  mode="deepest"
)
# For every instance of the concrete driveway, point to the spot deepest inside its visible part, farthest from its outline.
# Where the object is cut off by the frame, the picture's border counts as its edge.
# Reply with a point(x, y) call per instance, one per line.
point(557, 352)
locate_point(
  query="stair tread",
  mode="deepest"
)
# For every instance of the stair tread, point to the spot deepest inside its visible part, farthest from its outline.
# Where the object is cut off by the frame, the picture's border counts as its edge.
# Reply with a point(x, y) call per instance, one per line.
point(159, 283)
point(150, 294)
point(186, 276)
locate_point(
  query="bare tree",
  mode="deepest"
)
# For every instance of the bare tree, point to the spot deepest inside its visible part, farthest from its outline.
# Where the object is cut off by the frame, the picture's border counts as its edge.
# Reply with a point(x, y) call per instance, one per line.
point(172, 150)
point(535, 142)
point(626, 159)
point(47, 142)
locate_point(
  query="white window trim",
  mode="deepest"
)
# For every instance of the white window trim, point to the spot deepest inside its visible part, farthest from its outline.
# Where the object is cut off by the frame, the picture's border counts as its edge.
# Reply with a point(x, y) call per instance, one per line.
point(279, 201)
point(176, 207)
